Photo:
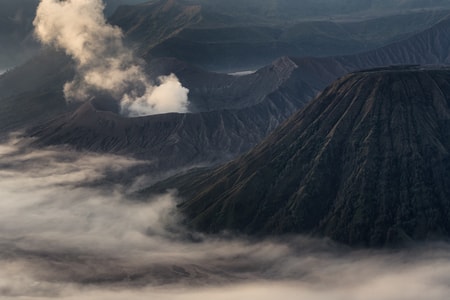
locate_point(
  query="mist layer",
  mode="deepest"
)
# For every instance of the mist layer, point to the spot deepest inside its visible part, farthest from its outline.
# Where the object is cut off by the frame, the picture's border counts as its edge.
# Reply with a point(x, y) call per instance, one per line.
point(67, 231)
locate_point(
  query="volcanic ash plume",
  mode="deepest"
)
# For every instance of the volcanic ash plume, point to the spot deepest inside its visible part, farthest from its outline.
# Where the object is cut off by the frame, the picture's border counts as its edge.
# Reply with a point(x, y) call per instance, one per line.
point(103, 63)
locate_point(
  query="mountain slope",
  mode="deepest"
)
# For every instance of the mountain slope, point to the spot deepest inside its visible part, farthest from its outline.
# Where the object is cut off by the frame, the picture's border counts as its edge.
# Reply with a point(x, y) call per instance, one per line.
point(153, 22)
point(247, 47)
point(229, 115)
point(270, 96)
point(229, 36)
point(33, 92)
point(170, 141)
point(217, 91)
point(293, 9)
point(367, 162)
point(430, 47)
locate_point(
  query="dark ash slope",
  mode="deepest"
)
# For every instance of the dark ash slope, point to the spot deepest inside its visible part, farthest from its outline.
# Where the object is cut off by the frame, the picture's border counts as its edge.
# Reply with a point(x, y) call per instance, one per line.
point(366, 163)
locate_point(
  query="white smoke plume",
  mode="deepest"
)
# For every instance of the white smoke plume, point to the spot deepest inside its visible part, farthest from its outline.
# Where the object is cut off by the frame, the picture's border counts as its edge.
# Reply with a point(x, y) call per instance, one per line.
point(103, 63)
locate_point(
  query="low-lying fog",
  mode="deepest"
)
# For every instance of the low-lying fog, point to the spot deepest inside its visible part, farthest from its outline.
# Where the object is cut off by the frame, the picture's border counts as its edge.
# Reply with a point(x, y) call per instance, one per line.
point(67, 234)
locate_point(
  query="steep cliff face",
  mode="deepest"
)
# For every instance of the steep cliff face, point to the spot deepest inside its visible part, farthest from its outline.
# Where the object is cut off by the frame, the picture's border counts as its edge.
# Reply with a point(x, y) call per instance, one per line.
point(366, 163)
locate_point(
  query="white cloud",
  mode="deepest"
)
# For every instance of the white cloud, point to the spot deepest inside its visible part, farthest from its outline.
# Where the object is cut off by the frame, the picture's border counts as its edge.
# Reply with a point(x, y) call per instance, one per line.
point(63, 238)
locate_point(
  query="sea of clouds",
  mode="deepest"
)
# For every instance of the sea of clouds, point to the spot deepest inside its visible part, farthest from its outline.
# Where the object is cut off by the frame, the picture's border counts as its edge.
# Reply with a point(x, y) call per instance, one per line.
point(68, 232)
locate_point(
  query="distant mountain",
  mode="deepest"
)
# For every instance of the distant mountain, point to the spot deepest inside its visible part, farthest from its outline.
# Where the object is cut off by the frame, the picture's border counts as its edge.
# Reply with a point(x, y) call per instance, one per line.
point(237, 35)
point(260, 101)
point(247, 108)
point(294, 10)
point(431, 46)
point(366, 163)
point(214, 91)
point(33, 92)
point(152, 22)
point(220, 34)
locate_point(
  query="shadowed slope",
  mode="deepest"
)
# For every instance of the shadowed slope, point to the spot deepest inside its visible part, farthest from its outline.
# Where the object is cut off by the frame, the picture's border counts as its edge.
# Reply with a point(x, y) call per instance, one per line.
point(366, 163)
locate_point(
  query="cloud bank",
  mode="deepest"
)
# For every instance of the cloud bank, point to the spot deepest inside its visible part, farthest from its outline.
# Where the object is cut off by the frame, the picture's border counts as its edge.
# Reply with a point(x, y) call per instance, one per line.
point(64, 237)
point(103, 63)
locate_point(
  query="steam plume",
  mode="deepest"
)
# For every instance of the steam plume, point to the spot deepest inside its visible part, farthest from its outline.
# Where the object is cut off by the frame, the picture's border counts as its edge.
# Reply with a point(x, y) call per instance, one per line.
point(103, 63)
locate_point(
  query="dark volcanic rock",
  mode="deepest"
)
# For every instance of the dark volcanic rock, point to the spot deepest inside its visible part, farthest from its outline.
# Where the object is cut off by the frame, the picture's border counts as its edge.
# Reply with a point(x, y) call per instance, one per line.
point(33, 92)
point(230, 115)
point(219, 38)
point(366, 163)
point(210, 91)
point(170, 141)
point(269, 96)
